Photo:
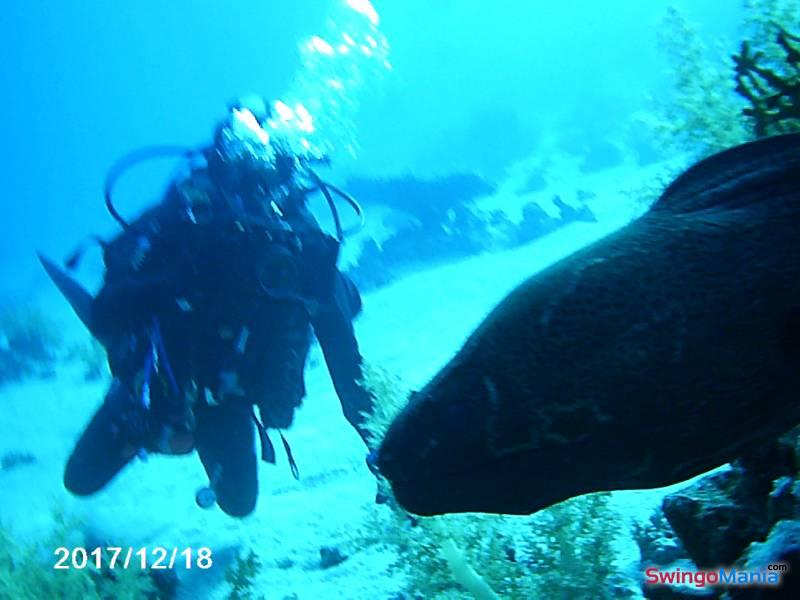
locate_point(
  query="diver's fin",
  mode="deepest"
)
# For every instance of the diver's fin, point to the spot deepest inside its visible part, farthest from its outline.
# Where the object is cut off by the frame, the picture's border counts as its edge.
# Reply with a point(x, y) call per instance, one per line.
point(79, 299)
point(736, 177)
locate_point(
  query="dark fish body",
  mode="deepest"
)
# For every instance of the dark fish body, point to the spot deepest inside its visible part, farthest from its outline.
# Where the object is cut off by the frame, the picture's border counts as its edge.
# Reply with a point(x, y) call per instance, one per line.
point(664, 350)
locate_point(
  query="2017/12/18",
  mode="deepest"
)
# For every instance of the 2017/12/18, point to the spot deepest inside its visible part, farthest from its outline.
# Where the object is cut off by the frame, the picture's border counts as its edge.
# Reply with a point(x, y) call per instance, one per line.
point(116, 557)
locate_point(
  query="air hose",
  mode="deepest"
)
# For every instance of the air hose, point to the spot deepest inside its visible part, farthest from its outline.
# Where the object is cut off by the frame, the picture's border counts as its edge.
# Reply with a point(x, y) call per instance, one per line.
point(153, 152)
point(326, 189)
point(131, 160)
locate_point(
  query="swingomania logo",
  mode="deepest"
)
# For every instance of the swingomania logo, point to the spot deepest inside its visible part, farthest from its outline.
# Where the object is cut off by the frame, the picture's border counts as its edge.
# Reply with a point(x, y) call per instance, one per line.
point(769, 576)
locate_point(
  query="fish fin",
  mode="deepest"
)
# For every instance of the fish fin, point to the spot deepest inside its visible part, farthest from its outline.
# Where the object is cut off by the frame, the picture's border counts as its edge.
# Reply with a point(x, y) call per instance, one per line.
point(79, 299)
point(735, 177)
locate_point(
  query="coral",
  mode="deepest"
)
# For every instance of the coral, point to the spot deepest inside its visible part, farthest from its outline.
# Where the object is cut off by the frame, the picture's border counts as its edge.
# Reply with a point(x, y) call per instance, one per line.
point(27, 573)
point(391, 397)
point(718, 102)
point(573, 550)
point(772, 92)
point(763, 18)
point(565, 551)
point(703, 113)
point(241, 575)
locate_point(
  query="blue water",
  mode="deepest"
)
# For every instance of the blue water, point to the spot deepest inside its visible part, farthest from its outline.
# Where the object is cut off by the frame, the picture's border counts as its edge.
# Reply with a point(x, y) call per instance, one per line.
point(471, 87)
point(85, 81)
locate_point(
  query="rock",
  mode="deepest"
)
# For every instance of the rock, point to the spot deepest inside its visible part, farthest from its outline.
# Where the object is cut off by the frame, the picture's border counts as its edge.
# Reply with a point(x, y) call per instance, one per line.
point(12, 460)
point(535, 223)
point(454, 231)
point(569, 214)
point(784, 500)
point(166, 583)
point(685, 591)
point(667, 592)
point(745, 516)
point(330, 557)
point(657, 541)
point(427, 199)
point(717, 517)
point(535, 182)
point(781, 546)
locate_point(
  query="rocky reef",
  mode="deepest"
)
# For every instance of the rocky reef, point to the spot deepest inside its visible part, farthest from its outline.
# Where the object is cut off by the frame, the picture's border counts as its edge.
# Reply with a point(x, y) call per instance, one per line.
point(746, 516)
point(445, 224)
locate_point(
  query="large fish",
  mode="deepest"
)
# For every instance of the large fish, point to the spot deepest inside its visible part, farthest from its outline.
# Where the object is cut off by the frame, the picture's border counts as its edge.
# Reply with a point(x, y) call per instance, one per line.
point(668, 348)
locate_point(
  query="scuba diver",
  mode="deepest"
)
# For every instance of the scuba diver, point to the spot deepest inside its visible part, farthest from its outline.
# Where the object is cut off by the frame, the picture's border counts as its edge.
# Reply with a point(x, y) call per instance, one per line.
point(207, 309)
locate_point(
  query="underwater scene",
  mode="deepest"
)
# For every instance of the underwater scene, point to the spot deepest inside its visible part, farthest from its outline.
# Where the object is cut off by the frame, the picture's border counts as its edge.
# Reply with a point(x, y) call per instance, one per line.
point(400, 300)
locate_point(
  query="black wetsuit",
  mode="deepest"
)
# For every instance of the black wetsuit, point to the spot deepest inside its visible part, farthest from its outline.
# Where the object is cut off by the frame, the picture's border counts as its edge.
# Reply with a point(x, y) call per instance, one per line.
point(206, 281)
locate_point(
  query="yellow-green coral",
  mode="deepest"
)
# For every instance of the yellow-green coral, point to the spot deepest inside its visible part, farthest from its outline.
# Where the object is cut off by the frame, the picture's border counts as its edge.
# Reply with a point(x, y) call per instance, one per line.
point(391, 396)
point(241, 576)
point(703, 113)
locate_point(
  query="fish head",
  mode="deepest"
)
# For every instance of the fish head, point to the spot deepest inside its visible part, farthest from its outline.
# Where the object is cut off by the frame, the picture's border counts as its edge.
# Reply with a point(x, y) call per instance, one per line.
point(440, 456)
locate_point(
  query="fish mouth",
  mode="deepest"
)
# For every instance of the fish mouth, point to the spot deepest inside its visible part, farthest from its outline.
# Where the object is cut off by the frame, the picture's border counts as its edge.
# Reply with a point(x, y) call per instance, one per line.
point(416, 487)
point(492, 486)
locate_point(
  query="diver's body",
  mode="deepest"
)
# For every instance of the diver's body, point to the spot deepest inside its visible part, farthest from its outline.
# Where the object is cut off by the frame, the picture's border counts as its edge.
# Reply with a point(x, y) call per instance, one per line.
point(207, 310)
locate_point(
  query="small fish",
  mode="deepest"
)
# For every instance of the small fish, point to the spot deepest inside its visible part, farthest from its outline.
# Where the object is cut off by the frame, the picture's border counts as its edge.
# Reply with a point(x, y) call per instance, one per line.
point(666, 349)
